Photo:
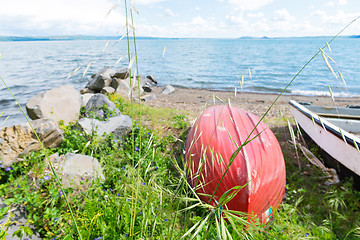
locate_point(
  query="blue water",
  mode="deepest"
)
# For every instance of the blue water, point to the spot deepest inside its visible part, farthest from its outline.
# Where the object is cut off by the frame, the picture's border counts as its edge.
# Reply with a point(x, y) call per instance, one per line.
point(29, 68)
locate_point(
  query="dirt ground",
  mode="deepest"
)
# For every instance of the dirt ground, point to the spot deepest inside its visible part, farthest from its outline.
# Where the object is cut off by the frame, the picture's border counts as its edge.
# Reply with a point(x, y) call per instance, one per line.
point(195, 100)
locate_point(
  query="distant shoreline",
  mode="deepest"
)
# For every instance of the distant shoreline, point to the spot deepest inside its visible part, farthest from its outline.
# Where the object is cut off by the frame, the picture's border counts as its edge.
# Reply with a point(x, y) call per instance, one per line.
point(91, 37)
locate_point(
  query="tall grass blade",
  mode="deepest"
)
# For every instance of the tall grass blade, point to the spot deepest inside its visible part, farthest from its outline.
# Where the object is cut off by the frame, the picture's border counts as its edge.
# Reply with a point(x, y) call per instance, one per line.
point(328, 46)
point(242, 82)
point(223, 229)
point(331, 93)
point(200, 227)
point(135, 9)
point(87, 68)
point(325, 57)
point(342, 135)
point(163, 54)
point(73, 72)
point(342, 78)
point(106, 45)
point(120, 59)
point(131, 62)
point(112, 8)
point(250, 74)
point(191, 229)
point(356, 145)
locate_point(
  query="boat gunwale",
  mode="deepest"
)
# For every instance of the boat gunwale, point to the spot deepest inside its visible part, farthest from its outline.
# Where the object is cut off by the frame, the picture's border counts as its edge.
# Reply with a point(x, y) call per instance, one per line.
point(351, 139)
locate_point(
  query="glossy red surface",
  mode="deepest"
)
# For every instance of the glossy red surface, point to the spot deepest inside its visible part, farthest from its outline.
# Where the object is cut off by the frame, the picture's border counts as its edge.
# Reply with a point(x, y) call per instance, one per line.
point(259, 166)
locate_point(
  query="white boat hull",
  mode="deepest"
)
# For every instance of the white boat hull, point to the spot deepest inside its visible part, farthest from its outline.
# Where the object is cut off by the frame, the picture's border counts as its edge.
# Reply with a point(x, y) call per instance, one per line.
point(344, 152)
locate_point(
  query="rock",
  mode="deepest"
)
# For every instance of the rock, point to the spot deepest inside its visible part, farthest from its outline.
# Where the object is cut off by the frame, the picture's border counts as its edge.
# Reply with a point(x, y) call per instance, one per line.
point(18, 219)
point(78, 168)
point(152, 78)
point(168, 90)
point(115, 82)
point(128, 88)
point(148, 97)
point(120, 126)
point(85, 98)
point(100, 106)
point(86, 90)
point(20, 140)
point(107, 90)
point(101, 79)
point(61, 103)
point(122, 73)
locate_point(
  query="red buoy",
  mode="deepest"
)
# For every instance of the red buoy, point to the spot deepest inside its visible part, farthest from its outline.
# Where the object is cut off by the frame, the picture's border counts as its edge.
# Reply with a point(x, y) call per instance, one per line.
point(259, 165)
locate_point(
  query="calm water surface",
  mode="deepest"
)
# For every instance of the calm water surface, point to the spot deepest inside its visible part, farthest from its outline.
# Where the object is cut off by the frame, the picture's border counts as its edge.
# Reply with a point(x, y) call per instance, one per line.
point(29, 68)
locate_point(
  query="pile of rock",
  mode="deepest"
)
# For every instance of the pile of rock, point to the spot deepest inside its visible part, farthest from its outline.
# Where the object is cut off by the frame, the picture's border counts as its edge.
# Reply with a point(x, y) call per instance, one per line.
point(109, 81)
point(63, 104)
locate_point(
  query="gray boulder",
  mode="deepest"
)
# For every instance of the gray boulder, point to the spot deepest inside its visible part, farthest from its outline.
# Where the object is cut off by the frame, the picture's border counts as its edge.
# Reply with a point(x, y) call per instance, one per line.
point(107, 90)
point(148, 97)
point(18, 218)
point(20, 140)
point(152, 78)
point(76, 169)
point(120, 126)
point(101, 79)
point(61, 103)
point(96, 107)
point(122, 73)
point(85, 98)
point(168, 90)
point(86, 90)
point(129, 87)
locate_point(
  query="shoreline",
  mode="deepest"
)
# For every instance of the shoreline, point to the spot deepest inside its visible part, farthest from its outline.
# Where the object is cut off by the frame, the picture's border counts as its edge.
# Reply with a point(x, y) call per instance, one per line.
point(194, 100)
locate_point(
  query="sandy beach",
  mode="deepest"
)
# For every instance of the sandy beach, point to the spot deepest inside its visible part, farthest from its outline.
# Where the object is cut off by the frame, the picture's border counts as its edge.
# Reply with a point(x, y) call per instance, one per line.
point(195, 100)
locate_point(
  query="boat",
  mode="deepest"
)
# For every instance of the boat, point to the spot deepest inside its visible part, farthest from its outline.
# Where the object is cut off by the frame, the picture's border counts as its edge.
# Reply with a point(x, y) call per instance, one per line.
point(336, 130)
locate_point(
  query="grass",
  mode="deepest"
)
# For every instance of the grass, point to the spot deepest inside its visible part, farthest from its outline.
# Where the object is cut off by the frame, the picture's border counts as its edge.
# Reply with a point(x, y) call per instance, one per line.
point(165, 205)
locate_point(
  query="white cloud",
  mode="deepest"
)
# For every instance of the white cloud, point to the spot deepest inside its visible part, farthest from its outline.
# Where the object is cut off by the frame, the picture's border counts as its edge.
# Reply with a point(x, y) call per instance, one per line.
point(329, 4)
point(255, 15)
point(249, 4)
point(38, 17)
point(342, 2)
point(147, 2)
point(169, 13)
point(283, 15)
point(339, 18)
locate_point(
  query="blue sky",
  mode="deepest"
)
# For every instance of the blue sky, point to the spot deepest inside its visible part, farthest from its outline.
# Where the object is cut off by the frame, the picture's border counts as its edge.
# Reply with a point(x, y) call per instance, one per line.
point(180, 18)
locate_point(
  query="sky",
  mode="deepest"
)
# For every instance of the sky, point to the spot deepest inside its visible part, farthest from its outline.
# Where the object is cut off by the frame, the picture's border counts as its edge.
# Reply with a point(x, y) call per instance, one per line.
point(180, 18)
